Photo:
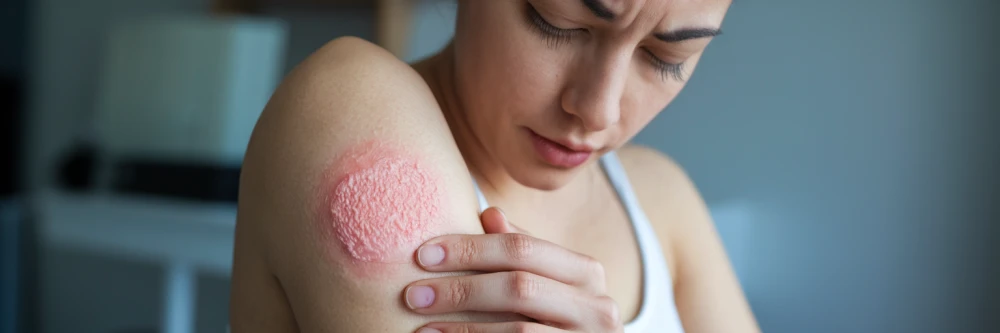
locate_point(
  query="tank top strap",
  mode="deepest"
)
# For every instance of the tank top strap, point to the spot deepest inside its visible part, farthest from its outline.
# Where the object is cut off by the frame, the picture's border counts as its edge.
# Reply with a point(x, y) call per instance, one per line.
point(658, 311)
point(479, 196)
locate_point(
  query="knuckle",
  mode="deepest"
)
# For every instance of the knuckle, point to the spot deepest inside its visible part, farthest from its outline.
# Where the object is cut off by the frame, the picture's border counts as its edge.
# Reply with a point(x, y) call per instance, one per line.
point(524, 327)
point(608, 316)
point(523, 286)
point(466, 328)
point(467, 250)
point(459, 292)
point(517, 246)
point(595, 268)
point(597, 272)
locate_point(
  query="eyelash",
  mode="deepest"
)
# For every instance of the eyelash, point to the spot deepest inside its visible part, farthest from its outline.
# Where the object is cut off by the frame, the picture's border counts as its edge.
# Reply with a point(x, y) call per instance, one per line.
point(666, 69)
point(555, 37)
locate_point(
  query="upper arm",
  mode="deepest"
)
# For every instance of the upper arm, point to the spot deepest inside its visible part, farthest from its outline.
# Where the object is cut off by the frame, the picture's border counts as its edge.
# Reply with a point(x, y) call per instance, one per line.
point(350, 168)
point(707, 293)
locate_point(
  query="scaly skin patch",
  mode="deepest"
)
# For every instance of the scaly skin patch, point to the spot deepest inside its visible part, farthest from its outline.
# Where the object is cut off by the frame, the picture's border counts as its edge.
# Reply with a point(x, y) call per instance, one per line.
point(383, 203)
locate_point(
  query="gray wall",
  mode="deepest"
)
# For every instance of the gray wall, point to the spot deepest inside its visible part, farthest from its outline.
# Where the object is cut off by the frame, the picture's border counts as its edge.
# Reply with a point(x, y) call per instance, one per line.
point(90, 294)
point(863, 135)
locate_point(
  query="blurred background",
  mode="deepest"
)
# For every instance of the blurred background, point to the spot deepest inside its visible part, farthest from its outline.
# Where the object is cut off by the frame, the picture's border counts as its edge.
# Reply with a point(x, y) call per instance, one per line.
point(849, 152)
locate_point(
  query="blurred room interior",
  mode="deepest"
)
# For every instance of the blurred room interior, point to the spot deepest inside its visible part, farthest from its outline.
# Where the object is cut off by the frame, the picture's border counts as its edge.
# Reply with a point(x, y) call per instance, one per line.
point(849, 152)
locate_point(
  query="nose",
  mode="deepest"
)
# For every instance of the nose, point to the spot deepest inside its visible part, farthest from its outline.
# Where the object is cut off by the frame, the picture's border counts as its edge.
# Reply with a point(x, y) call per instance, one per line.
point(595, 90)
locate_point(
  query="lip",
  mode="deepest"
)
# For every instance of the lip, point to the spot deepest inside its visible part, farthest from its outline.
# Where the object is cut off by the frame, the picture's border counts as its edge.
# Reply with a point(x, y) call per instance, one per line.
point(559, 153)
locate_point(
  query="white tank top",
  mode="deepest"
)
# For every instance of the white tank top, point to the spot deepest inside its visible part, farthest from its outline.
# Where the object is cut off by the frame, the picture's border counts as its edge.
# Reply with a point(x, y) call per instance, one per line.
point(658, 312)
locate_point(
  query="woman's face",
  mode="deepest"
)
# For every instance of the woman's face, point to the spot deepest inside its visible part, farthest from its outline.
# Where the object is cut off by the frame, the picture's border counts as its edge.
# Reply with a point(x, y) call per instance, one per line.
point(548, 86)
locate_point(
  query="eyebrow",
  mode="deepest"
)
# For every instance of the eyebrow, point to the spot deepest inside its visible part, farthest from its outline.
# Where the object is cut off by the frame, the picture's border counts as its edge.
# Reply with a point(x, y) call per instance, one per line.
point(686, 34)
point(600, 10)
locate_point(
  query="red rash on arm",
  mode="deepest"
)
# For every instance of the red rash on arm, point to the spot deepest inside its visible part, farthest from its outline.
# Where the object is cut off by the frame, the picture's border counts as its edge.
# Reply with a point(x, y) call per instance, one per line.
point(380, 203)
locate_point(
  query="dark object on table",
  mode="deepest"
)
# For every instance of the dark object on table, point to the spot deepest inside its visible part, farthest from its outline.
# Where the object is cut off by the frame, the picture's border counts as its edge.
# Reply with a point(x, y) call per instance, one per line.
point(193, 181)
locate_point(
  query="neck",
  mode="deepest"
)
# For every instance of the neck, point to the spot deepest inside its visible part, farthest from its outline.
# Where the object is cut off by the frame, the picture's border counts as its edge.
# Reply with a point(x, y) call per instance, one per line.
point(495, 182)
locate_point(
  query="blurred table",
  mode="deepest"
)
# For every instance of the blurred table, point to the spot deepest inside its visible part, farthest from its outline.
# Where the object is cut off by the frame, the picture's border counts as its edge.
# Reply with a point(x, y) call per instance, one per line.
point(187, 238)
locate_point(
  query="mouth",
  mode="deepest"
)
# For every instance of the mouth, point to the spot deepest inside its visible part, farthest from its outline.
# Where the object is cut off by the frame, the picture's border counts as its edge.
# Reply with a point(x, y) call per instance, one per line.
point(562, 153)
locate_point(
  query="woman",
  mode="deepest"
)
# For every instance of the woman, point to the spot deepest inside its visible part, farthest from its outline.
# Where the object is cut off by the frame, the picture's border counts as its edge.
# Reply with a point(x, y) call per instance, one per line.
point(365, 177)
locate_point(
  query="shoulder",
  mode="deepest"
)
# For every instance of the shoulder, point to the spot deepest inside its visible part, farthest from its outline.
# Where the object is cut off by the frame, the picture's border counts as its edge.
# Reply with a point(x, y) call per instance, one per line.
point(347, 94)
point(668, 197)
point(705, 286)
point(661, 184)
point(648, 164)
point(348, 100)
point(348, 70)
point(343, 89)
point(655, 177)
point(320, 190)
point(355, 58)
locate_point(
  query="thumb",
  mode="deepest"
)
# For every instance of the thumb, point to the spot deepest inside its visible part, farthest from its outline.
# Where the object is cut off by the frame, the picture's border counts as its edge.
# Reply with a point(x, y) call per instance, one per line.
point(495, 222)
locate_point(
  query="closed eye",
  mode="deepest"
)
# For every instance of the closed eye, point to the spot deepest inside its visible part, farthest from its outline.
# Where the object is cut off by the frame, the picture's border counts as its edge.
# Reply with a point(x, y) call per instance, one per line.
point(554, 36)
point(666, 69)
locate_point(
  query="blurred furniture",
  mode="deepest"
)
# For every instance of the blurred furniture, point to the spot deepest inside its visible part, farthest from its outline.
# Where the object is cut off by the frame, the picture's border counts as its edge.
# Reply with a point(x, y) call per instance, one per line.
point(187, 238)
point(14, 288)
point(186, 90)
point(17, 270)
point(18, 244)
point(178, 99)
point(176, 94)
point(393, 22)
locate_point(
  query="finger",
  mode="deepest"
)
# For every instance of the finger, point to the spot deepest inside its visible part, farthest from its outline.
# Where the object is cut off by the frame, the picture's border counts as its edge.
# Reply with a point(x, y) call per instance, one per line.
point(511, 252)
point(514, 327)
point(495, 222)
point(523, 293)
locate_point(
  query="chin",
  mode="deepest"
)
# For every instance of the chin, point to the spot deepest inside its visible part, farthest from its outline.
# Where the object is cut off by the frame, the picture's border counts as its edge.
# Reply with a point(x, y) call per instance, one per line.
point(544, 178)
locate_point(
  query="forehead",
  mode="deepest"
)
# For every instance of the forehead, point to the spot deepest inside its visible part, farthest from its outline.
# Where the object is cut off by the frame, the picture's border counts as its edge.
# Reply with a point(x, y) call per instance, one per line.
point(675, 13)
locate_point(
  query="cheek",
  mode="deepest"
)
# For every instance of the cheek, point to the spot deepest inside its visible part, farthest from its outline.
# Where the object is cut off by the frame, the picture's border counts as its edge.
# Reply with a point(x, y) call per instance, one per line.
point(507, 71)
point(642, 102)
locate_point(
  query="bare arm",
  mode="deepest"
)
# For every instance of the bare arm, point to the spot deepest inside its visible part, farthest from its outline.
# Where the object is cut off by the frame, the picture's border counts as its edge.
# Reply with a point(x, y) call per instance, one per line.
point(708, 295)
point(351, 167)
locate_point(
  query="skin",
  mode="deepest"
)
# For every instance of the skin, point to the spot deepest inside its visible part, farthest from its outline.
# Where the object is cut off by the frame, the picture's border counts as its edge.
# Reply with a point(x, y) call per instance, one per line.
point(597, 87)
point(380, 204)
point(571, 264)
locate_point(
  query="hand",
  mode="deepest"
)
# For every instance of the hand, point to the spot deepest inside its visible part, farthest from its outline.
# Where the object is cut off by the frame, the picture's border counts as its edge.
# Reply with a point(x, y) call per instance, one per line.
point(559, 290)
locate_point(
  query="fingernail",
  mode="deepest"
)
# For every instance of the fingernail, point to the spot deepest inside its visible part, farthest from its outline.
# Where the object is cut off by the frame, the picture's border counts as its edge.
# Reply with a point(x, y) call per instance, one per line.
point(419, 297)
point(430, 255)
point(428, 330)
